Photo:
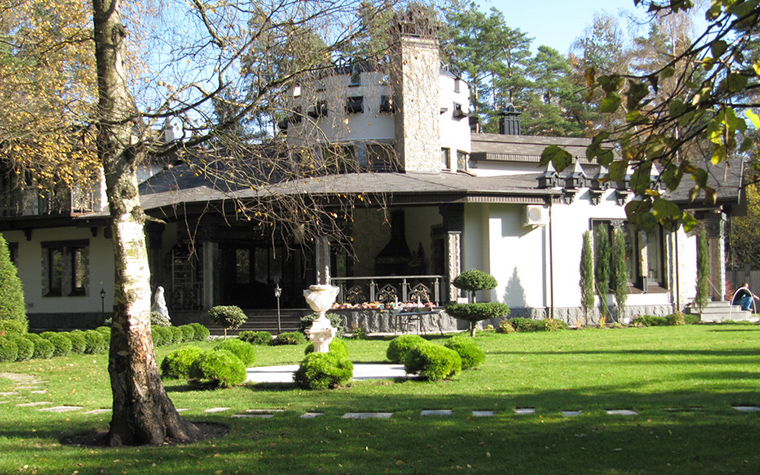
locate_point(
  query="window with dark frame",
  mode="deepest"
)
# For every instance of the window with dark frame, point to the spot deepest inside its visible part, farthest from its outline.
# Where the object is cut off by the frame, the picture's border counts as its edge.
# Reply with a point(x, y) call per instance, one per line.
point(78, 271)
point(55, 271)
point(638, 244)
point(66, 268)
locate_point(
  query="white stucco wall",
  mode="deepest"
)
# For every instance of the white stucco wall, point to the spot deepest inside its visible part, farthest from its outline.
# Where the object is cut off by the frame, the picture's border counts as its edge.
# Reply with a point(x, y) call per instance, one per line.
point(455, 133)
point(100, 270)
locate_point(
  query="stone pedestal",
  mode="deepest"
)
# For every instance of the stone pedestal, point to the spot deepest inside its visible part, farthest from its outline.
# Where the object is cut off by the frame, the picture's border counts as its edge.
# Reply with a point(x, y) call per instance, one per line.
point(320, 298)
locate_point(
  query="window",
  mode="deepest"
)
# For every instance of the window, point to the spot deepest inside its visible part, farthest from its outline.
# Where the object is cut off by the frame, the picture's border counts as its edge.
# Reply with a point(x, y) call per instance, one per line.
point(66, 268)
point(459, 112)
point(386, 104)
point(446, 158)
point(462, 160)
point(355, 104)
point(644, 253)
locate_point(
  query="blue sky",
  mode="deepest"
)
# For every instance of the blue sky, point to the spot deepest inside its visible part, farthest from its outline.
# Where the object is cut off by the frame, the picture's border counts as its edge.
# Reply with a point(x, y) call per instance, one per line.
point(556, 23)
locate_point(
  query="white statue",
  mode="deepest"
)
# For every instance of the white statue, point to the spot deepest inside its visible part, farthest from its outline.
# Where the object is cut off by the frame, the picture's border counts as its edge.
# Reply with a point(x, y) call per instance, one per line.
point(159, 303)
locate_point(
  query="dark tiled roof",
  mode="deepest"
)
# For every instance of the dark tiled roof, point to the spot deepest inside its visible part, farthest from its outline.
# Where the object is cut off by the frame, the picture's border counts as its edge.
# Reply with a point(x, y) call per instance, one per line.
point(523, 148)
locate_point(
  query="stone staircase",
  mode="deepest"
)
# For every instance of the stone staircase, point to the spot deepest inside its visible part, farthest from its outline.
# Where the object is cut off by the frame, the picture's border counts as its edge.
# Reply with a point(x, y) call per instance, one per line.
point(724, 311)
point(264, 321)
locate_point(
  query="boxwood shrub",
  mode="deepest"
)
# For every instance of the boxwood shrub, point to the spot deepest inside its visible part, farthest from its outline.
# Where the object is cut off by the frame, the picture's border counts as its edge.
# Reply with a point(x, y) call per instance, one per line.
point(336, 321)
point(12, 327)
point(256, 338)
point(8, 350)
point(221, 368)
point(245, 351)
point(201, 332)
point(159, 320)
point(323, 371)
point(188, 332)
point(471, 354)
point(25, 347)
point(60, 342)
point(95, 341)
point(43, 349)
point(78, 344)
point(105, 331)
point(162, 336)
point(177, 335)
point(337, 347)
point(288, 338)
point(433, 362)
point(177, 363)
point(400, 346)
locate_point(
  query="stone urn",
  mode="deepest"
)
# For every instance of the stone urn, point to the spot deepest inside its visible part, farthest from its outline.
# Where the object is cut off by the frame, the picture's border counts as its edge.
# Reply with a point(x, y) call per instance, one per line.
point(320, 298)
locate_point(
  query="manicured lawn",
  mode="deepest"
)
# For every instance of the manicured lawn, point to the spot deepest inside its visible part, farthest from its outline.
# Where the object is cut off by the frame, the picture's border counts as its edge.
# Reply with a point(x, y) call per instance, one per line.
point(683, 382)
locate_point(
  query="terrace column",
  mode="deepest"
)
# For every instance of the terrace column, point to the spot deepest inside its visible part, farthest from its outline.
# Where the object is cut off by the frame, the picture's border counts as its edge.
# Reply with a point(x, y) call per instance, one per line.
point(453, 222)
point(322, 252)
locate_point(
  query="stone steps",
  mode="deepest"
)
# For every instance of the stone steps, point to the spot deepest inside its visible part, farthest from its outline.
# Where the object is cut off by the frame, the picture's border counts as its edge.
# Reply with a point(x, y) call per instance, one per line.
point(724, 311)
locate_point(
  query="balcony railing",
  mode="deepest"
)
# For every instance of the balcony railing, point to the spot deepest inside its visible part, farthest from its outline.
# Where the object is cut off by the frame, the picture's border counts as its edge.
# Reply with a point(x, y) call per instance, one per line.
point(52, 203)
point(387, 289)
point(187, 296)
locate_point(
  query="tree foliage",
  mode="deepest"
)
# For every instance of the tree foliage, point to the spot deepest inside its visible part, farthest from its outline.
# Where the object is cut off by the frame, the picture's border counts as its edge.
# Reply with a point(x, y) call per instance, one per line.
point(619, 277)
point(587, 275)
point(12, 305)
point(703, 270)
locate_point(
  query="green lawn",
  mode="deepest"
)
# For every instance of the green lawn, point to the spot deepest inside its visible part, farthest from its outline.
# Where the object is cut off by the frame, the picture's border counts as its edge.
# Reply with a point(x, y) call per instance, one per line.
point(682, 381)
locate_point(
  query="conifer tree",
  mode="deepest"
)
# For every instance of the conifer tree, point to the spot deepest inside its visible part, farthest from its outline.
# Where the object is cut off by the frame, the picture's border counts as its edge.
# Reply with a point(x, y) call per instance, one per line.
point(587, 275)
point(619, 272)
point(12, 305)
point(703, 270)
point(602, 267)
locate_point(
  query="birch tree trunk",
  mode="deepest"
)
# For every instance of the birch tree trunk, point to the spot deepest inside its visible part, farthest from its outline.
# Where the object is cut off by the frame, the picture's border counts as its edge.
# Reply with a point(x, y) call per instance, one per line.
point(142, 412)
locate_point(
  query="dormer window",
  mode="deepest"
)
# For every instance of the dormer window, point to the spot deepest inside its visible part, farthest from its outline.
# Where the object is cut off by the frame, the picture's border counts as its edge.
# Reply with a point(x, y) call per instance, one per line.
point(386, 104)
point(355, 104)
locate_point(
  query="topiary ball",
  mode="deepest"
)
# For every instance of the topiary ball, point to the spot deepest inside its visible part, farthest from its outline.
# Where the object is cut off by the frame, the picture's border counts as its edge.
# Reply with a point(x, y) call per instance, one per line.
point(472, 356)
point(177, 363)
point(60, 342)
point(43, 349)
point(400, 346)
point(288, 338)
point(201, 332)
point(8, 350)
point(25, 347)
point(78, 344)
point(188, 332)
point(337, 347)
point(177, 335)
point(95, 341)
point(165, 336)
point(159, 320)
point(323, 371)
point(245, 351)
point(105, 331)
point(433, 362)
point(221, 368)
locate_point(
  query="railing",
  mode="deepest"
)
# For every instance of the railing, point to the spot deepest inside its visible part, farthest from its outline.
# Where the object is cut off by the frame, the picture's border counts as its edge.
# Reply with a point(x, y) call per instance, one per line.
point(387, 289)
point(188, 296)
point(51, 203)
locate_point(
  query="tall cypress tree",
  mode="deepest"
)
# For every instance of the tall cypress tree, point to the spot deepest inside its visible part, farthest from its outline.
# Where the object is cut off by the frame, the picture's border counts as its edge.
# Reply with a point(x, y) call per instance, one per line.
point(587, 275)
point(703, 270)
point(602, 267)
point(619, 272)
point(12, 305)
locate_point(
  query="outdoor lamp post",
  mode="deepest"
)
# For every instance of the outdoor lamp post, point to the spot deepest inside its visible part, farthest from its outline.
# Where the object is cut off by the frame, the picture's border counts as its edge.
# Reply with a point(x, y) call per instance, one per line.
point(103, 303)
point(277, 293)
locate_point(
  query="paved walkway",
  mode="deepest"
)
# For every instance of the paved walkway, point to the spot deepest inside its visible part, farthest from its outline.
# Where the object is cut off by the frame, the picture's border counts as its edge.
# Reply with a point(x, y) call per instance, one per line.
point(362, 371)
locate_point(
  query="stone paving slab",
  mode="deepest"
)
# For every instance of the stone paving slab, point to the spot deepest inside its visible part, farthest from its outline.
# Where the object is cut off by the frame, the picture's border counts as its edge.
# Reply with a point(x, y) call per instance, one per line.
point(43, 391)
point(61, 409)
point(482, 413)
point(10, 393)
point(622, 412)
point(312, 415)
point(523, 411)
point(436, 412)
point(367, 415)
point(264, 411)
point(217, 409)
point(362, 372)
point(97, 411)
point(252, 416)
point(747, 408)
point(571, 413)
point(31, 404)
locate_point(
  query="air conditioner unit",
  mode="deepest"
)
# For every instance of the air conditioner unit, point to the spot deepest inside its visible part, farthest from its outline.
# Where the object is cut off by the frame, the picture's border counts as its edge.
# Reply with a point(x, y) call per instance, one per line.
point(535, 215)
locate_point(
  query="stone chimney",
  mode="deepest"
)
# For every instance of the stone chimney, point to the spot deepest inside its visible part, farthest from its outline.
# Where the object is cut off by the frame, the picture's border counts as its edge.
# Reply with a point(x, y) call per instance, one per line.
point(415, 71)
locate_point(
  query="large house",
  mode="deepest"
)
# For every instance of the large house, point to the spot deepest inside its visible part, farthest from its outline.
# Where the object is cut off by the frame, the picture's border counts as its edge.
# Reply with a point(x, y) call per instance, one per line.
point(453, 200)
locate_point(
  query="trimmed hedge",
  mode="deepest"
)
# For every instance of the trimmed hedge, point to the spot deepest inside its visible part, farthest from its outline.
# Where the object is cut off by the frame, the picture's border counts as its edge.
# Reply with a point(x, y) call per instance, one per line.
point(25, 347)
point(159, 320)
point(96, 342)
point(60, 342)
point(221, 368)
point(162, 336)
point(471, 354)
point(433, 362)
point(323, 371)
point(8, 350)
point(288, 338)
point(177, 335)
point(337, 347)
point(177, 364)
point(201, 332)
point(401, 345)
point(78, 344)
point(245, 351)
point(43, 349)
point(188, 332)
point(105, 331)
point(256, 338)
point(12, 327)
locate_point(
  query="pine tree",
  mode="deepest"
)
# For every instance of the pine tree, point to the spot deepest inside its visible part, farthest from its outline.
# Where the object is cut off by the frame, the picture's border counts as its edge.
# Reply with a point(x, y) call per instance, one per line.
point(619, 271)
point(587, 275)
point(703, 270)
point(12, 306)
